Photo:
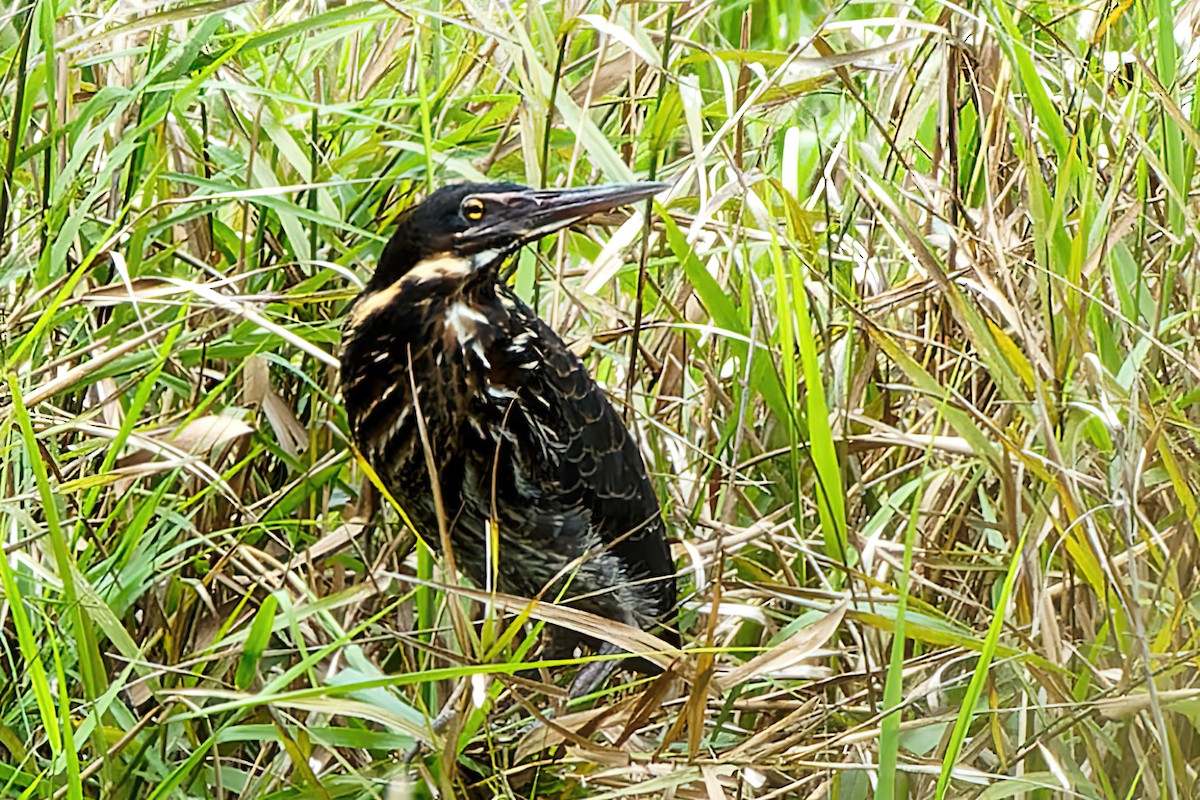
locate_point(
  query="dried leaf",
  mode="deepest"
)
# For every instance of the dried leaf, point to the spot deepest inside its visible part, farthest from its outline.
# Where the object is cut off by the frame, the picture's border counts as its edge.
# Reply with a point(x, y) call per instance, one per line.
point(206, 434)
point(116, 294)
point(288, 429)
point(790, 651)
point(570, 727)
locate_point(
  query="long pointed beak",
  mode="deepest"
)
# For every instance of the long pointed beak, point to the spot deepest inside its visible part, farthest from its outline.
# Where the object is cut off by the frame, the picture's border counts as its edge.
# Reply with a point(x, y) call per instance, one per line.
point(566, 206)
point(529, 214)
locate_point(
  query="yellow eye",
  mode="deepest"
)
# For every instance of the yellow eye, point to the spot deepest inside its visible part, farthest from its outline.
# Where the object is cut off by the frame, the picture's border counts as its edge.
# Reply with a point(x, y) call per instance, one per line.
point(472, 209)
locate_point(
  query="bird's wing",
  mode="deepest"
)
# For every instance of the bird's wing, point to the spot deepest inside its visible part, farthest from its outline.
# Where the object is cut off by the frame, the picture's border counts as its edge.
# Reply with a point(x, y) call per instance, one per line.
point(594, 465)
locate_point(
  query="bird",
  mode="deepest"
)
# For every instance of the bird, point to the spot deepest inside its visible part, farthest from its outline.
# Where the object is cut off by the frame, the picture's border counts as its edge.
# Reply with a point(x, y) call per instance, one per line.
point(439, 352)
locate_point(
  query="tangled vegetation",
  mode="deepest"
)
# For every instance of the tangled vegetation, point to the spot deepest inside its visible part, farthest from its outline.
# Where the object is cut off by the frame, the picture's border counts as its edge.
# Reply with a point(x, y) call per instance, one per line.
point(910, 346)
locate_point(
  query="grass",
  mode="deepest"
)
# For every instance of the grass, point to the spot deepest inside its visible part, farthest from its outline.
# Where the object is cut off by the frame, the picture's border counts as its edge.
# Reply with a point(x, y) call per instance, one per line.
point(916, 373)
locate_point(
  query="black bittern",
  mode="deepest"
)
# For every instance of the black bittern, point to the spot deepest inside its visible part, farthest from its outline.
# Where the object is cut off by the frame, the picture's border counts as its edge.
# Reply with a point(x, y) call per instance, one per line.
point(519, 433)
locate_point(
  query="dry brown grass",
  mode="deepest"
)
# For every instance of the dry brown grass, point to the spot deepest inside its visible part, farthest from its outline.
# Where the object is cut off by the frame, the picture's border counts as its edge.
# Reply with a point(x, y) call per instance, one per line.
point(917, 378)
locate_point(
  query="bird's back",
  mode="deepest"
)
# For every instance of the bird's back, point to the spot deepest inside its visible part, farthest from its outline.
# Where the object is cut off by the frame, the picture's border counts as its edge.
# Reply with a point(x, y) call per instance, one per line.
point(519, 433)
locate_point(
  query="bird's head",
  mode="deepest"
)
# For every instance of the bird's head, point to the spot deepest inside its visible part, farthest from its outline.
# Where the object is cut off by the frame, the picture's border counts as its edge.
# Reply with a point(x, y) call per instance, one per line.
point(468, 229)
